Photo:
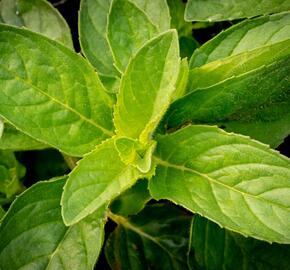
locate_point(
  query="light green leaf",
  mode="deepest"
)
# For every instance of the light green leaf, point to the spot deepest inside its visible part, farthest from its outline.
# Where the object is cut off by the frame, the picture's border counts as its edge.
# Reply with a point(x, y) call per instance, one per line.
point(242, 37)
point(11, 171)
point(37, 15)
point(14, 140)
point(249, 89)
point(133, 200)
point(181, 80)
point(216, 10)
point(33, 235)
point(215, 248)
point(1, 127)
point(156, 238)
point(98, 178)
point(147, 87)
point(157, 11)
point(51, 93)
point(237, 182)
point(128, 29)
point(93, 21)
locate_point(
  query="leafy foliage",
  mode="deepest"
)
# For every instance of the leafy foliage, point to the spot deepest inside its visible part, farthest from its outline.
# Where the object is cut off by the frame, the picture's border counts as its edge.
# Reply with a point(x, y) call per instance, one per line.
point(136, 117)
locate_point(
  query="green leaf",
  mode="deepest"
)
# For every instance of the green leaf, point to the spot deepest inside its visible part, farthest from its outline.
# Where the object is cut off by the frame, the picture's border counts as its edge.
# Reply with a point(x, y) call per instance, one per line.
point(187, 46)
point(1, 128)
point(129, 28)
point(33, 235)
point(216, 10)
point(181, 80)
point(156, 238)
point(147, 87)
point(14, 140)
point(51, 93)
point(11, 171)
point(37, 15)
point(97, 179)
point(242, 37)
point(221, 92)
point(2, 213)
point(93, 23)
point(237, 182)
point(133, 200)
point(215, 248)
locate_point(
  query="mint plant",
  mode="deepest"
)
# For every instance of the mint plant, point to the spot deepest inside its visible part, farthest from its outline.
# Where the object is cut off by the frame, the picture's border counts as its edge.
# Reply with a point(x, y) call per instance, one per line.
point(137, 123)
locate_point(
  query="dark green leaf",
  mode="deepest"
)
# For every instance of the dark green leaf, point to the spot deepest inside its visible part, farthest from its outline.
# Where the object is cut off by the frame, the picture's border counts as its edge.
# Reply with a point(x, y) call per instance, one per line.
point(33, 235)
point(156, 238)
point(237, 182)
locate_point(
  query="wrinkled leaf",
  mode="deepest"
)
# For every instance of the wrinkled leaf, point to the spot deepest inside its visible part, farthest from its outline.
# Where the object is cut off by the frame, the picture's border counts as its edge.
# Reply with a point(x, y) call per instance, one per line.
point(239, 92)
point(14, 140)
point(156, 238)
point(33, 235)
point(133, 200)
point(37, 15)
point(215, 248)
point(93, 36)
point(128, 29)
point(51, 93)
point(147, 87)
point(245, 36)
point(217, 10)
point(239, 183)
point(98, 178)
point(11, 171)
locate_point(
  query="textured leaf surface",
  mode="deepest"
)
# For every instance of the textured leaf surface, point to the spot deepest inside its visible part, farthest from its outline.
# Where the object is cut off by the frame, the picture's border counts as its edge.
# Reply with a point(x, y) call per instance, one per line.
point(156, 238)
point(98, 178)
point(38, 16)
point(239, 183)
point(147, 87)
point(93, 23)
point(51, 93)
point(33, 235)
point(133, 200)
point(128, 29)
point(14, 140)
point(215, 248)
point(217, 10)
point(11, 171)
point(248, 90)
point(245, 36)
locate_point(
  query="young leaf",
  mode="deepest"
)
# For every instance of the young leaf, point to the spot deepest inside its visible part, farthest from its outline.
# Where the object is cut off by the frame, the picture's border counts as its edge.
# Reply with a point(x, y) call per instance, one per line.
point(237, 182)
point(215, 248)
point(216, 10)
point(33, 235)
point(38, 16)
point(133, 200)
point(98, 178)
point(156, 237)
point(47, 91)
point(147, 87)
point(14, 140)
point(249, 89)
point(93, 23)
point(11, 171)
point(128, 29)
point(242, 37)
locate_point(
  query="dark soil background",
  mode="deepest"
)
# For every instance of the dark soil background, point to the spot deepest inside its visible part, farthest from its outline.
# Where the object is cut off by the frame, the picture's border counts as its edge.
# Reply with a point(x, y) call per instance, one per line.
point(45, 164)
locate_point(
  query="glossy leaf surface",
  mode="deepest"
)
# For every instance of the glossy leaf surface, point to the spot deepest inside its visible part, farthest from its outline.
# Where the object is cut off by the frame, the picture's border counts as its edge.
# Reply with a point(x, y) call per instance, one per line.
point(37, 15)
point(245, 36)
point(217, 10)
point(156, 238)
point(51, 93)
point(215, 248)
point(236, 182)
point(147, 87)
point(98, 178)
point(33, 235)
point(240, 92)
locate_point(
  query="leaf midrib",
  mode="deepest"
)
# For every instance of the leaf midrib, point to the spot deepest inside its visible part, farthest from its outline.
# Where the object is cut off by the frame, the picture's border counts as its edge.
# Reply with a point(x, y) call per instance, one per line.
point(212, 180)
